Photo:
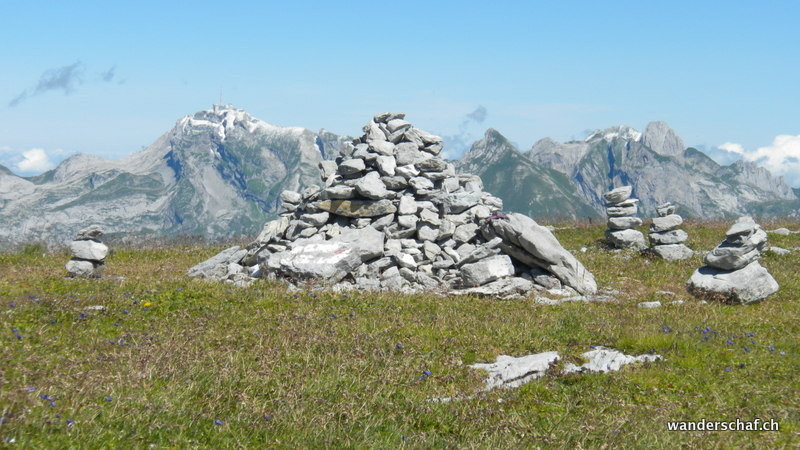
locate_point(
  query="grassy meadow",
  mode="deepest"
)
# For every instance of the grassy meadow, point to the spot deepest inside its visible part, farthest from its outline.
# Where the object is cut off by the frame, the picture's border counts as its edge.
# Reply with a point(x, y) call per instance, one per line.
point(147, 358)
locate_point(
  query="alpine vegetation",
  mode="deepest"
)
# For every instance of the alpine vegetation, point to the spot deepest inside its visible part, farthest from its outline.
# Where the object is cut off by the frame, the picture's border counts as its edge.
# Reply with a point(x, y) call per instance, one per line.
point(393, 216)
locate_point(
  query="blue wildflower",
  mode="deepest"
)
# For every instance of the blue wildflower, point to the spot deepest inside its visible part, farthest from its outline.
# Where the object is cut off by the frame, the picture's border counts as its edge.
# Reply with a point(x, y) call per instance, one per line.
point(727, 369)
point(70, 422)
point(750, 334)
point(108, 399)
point(31, 389)
point(427, 373)
point(12, 304)
point(125, 311)
point(730, 342)
point(592, 346)
point(218, 422)
point(399, 346)
point(771, 348)
point(747, 350)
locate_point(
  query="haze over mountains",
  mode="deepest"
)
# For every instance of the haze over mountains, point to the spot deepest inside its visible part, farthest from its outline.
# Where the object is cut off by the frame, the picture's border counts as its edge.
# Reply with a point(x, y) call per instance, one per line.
point(219, 172)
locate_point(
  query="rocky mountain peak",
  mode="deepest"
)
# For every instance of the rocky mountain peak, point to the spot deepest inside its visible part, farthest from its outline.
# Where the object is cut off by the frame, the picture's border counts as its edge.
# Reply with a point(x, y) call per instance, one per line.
point(491, 148)
point(662, 139)
point(611, 133)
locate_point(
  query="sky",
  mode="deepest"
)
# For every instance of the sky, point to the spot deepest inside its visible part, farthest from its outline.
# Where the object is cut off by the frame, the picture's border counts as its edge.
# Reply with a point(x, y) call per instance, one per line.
point(108, 78)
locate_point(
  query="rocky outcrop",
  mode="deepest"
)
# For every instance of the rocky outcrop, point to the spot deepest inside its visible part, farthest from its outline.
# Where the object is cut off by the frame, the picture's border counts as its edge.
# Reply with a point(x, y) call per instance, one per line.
point(393, 216)
point(732, 272)
point(666, 240)
point(621, 211)
point(88, 253)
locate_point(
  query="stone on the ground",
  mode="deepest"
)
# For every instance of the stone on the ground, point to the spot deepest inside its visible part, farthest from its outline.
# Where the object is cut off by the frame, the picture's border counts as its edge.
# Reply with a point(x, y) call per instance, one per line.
point(668, 237)
point(84, 268)
point(626, 239)
point(727, 257)
point(291, 197)
point(747, 285)
point(508, 371)
point(542, 250)
point(623, 223)
point(603, 359)
point(320, 260)
point(672, 252)
point(489, 269)
point(216, 267)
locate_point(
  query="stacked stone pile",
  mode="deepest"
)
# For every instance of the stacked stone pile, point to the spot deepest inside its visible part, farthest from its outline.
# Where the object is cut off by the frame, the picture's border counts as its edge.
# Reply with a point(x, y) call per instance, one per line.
point(88, 253)
point(666, 240)
point(621, 210)
point(732, 272)
point(392, 215)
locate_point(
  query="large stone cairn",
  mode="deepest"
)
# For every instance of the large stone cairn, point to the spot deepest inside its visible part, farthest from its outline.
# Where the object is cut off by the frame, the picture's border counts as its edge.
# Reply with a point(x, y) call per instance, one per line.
point(393, 216)
point(621, 210)
point(732, 272)
point(88, 253)
point(666, 240)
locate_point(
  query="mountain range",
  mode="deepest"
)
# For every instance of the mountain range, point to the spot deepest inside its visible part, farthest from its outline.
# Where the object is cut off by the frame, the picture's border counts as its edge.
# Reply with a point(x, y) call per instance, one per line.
point(218, 173)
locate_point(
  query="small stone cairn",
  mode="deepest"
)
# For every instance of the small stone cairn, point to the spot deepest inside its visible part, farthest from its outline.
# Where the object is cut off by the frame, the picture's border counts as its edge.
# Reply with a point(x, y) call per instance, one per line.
point(732, 272)
point(666, 241)
point(621, 211)
point(393, 216)
point(88, 253)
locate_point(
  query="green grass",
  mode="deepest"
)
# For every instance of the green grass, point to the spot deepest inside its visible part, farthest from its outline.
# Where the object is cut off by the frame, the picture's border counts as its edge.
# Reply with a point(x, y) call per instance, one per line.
point(285, 369)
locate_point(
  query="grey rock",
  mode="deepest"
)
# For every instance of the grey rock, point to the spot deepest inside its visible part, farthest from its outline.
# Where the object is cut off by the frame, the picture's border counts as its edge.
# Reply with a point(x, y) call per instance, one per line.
point(510, 372)
point(668, 237)
point(386, 165)
point(427, 232)
point(216, 267)
point(387, 116)
point(352, 166)
point(384, 148)
point(397, 124)
point(727, 257)
point(747, 285)
point(407, 205)
point(626, 239)
point(504, 288)
point(89, 249)
point(92, 232)
point(623, 223)
point(407, 221)
point(665, 209)
point(407, 171)
point(323, 260)
point(460, 201)
point(420, 183)
point(604, 359)
point(466, 232)
point(741, 230)
point(622, 211)
point(649, 305)
point(327, 169)
point(291, 197)
point(619, 194)
point(339, 192)
point(357, 208)
point(85, 269)
point(672, 252)
point(543, 250)
point(407, 154)
point(367, 242)
point(778, 251)
point(431, 165)
point(666, 223)
point(781, 231)
point(371, 187)
point(404, 260)
point(490, 269)
point(395, 183)
point(316, 219)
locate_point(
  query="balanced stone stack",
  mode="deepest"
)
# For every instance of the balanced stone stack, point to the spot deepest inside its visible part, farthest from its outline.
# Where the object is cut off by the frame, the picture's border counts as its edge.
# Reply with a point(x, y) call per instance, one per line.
point(392, 215)
point(732, 272)
point(621, 210)
point(666, 240)
point(88, 253)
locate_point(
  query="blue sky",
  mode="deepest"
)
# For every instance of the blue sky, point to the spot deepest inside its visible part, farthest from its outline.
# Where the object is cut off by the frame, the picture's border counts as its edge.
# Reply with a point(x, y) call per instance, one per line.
point(108, 79)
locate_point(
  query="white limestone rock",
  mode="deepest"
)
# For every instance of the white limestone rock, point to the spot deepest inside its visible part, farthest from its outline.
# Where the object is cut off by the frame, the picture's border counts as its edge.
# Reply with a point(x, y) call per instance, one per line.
point(747, 285)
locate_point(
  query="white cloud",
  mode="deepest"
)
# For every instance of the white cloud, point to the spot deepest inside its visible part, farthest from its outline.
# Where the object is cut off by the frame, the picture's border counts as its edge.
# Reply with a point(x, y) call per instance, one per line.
point(781, 158)
point(5, 148)
point(733, 148)
point(34, 160)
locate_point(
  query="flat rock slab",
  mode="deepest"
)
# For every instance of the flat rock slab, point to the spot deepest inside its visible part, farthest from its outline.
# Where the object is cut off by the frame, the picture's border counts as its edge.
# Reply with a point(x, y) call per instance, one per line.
point(666, 223)
point(536, 246)
point(623, 223)
point(604, 359)
point(357, 208)
point(626, 239)
point(88, 249)
point(489, 269)
point(506, 289)
point(324, 260)
point(84, 268)
point(618, 195)
point(672, 252)
point(216, 267)
point(510, 372)
point(668, 237)
point(747, 285)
